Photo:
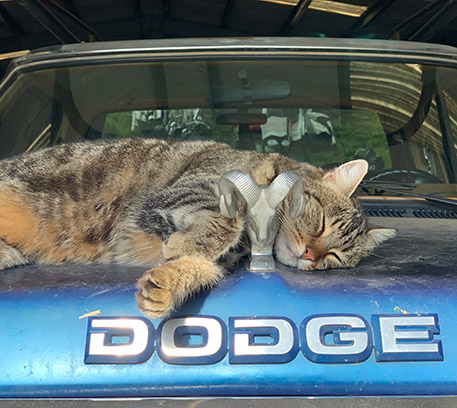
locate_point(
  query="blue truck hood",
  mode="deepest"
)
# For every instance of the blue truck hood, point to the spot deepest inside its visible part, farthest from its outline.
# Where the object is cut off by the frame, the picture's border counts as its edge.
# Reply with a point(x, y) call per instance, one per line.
point(386, 327)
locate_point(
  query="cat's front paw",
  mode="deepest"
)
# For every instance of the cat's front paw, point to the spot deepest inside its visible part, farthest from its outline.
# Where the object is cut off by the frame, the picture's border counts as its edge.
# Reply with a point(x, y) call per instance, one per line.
point(154, 294)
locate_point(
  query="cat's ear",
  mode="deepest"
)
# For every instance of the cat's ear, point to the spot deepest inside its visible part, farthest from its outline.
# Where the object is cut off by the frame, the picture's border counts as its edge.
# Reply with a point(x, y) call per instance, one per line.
point(379, 235)
point(347, 177)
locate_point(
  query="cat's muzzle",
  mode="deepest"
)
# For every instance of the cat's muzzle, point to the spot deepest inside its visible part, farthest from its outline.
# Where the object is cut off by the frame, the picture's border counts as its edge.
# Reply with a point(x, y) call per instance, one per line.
point(262, 222)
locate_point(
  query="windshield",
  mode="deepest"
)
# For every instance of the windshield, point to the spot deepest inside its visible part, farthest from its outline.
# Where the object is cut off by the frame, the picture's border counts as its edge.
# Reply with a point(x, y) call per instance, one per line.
point(401, 118)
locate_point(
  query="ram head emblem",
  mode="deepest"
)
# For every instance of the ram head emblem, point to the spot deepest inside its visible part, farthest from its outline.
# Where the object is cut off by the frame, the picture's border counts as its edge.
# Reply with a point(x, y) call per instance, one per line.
point(262, 209)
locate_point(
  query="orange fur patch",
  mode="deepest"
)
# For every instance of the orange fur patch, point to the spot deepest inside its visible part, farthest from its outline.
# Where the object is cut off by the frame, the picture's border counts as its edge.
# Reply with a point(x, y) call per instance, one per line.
point(318, 248)
point(21, 227)
point(18, 223)
point(264, 173)
point(147, 248)
point(78, 251)
point(327, 231)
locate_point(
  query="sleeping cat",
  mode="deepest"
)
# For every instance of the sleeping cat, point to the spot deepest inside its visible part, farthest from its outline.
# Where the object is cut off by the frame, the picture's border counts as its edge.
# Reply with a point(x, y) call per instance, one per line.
point(156, 203)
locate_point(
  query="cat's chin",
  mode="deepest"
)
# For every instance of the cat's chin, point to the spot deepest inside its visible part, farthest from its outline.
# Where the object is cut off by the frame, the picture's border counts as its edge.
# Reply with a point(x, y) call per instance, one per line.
point(287, 256)
point(292, 260)
point(283, 252)
point(304, 264)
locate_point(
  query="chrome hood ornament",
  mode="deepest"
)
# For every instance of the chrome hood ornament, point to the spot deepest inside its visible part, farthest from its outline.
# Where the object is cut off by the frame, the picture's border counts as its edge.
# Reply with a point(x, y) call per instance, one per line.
point(262, 201)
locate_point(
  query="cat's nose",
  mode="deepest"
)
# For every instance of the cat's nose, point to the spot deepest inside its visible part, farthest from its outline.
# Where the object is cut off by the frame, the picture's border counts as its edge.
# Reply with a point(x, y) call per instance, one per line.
point(308, 254)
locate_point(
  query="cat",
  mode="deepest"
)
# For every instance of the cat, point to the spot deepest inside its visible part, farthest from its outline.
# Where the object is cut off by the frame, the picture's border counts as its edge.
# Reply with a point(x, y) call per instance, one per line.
point(155, 203)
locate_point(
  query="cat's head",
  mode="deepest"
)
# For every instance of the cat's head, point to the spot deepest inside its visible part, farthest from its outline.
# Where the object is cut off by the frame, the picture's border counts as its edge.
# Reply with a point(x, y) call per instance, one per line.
point(333, 232)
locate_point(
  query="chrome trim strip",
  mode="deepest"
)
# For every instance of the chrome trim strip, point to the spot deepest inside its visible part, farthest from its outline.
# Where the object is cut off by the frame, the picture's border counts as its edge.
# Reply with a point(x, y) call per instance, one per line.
point(332, 48)
point(214, 44)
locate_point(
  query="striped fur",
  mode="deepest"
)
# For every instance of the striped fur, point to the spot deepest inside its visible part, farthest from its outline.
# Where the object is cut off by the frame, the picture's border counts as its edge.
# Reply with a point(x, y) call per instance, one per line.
point(155, 203)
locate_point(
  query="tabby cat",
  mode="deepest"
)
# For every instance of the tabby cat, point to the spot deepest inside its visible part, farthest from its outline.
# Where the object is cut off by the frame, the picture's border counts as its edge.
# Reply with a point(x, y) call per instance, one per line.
point(156, 203)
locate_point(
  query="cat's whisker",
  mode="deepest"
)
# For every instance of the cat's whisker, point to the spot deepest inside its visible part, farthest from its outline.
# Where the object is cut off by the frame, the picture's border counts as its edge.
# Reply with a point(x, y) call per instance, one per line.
point(287, 227)
point(284, 220)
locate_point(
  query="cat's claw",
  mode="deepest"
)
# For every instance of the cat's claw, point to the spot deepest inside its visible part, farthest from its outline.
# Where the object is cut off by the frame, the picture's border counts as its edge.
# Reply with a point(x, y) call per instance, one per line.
point(153, 299)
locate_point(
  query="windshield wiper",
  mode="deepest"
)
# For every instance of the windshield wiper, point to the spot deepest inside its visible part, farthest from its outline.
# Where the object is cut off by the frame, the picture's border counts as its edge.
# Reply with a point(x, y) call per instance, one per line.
point(388, 184)
point(399, 188)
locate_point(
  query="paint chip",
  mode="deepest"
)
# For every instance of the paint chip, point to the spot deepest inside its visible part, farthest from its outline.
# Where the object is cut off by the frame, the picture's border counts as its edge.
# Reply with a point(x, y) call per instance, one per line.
point(94, 313)
point(397, 309)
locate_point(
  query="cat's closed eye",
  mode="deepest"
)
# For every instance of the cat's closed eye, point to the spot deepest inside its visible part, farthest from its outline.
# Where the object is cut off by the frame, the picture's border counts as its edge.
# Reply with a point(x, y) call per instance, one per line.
point(334, 255)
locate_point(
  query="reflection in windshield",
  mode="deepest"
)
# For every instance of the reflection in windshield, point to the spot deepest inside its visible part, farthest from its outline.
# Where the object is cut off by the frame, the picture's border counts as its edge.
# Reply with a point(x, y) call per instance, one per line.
point(401, 118)
point(303, 134)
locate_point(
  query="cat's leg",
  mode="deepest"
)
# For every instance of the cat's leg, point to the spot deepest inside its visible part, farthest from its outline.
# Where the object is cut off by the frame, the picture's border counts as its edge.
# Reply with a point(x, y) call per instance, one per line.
point(191, 263)
point(10, 256)
point(167, 286)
